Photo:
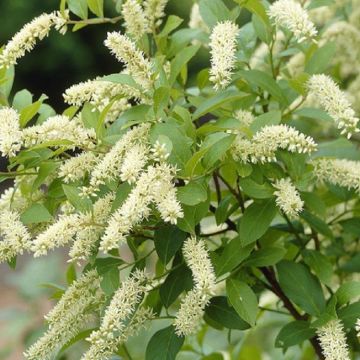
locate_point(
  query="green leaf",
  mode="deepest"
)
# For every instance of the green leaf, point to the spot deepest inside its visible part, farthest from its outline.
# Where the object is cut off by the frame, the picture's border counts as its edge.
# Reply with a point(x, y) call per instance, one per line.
point(103, 265)
point(80, 203)
point(243, 299)
point(110, 281)
point(265, 257)
point(339, 148)
point(79, 8)
point(255, 7)
point(232, 256)
point(36, 213)
point(321, 59)
point(45, 169)
point(351, 226)
point(123, 79)
point(161, 99)
point(294, 333)
point(96, 7)
point(255, 190)
point(192, 216)
point(349, 314)
point(180, 60)
point(301, 287)
point(265, 82)
point(256, 220)
point(269, 118)
point(225, 315)
point(316, 223)
point(320, 264)
point(176, 282)
point(168, 240)
point(164, 345)
point(70, 274)
point(348, 292)
point(219, 146)
point(28, 112)
point(313, 113)
point(215, 102)
point(213, 11)
point(22, 99)
point(192, 193)
point(172, 23)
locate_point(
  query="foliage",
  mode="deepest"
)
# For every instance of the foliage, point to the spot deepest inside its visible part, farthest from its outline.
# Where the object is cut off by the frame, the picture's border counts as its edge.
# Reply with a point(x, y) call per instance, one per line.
point(186, 200)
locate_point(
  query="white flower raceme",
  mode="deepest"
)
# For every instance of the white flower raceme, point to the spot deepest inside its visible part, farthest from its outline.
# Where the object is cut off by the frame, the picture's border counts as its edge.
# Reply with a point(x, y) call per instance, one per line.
point(58, 234)
point(222, 48)
point(60, 19)
point(25, 39)
point(290, 15)
point(357, 327)
point(264, 144)
point(60, 127)
point(98, 93)
point(110, 166)
point(77, 167)
point(12, 198)
point(134, 161)
point(193, 305)
point(347, 40)
point(196, 20)
point(134, 17)
point(353, 94)
point(333, 341)
point(125, 50)
point(334, 101)
point(68, 317)
point(10, 133)
point(154, 11)
point(153, 185)
point(245, 117)
point(91, 226)
point(105, 341)
point(340, 172)
point(288, 198)
point(15, 236)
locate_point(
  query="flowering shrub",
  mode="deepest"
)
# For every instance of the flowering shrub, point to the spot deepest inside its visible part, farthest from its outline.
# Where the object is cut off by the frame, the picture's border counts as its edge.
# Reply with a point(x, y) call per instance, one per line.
point(226, 186)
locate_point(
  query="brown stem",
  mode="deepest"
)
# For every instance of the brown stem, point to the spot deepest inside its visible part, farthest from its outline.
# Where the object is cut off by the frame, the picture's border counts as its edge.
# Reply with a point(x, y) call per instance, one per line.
point(275, 287)
point(237, 195)
point(231, 225)
point(217, 187)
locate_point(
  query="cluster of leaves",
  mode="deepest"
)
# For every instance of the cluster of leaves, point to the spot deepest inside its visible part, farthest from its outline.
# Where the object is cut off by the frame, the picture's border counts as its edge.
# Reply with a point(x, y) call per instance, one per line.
point(309, 263)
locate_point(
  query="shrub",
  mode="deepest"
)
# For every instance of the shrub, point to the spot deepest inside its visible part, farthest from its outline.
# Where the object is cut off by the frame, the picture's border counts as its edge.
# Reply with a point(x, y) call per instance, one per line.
point(225, 186)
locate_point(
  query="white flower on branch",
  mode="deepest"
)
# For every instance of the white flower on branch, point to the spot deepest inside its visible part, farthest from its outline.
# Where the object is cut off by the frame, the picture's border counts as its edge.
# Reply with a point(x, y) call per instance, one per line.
point(334, 101)
point(290, 15)
point(68, 317)
point(333, 341)
point(222, 49)
point(135, 20)
point(10, 132)
point(288, 198)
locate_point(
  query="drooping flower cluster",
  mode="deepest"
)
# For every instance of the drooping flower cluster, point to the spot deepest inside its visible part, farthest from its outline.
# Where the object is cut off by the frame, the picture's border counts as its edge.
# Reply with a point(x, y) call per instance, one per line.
point(10, 133)
point(264, 144)
point(137, 65)
point(15, 236)
point(153, 186)
point(77, 167)
point(154, 11)
point(60, 127)
point(110, 166)
point(288, 198)
point(25, 40)
point(134, 17)
point(334, 101)
point(222, 49)
point(340, 172)
point(83, 228)
point(290, 15)
point(333, 341)
point(121, 309)
point(357, 327)
point(68, 317)
point(193, 305)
